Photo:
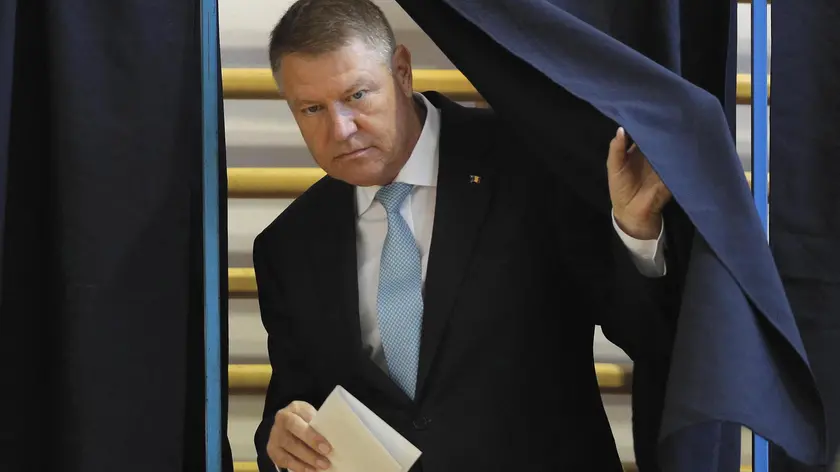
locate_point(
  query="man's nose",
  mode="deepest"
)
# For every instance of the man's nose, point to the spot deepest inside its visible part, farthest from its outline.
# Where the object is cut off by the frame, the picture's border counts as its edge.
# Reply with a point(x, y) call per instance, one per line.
point(343, 123)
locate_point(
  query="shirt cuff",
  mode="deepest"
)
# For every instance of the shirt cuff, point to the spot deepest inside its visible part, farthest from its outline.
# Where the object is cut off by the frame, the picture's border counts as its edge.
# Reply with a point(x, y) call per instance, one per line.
point(648, 254)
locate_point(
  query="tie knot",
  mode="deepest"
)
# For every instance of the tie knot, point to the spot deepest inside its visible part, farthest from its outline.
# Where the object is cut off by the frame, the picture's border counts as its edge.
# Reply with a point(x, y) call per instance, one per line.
point(391, 196)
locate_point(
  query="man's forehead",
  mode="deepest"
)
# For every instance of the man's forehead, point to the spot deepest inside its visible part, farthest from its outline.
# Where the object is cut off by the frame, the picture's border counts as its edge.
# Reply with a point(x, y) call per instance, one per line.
point(314, 77)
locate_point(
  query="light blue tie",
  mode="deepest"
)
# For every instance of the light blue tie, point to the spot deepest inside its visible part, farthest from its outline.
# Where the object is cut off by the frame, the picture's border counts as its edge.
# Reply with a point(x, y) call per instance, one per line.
point(399, 300)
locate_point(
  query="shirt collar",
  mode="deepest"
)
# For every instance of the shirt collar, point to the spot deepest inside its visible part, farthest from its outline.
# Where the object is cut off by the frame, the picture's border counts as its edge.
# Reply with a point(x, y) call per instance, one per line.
point(421, 169)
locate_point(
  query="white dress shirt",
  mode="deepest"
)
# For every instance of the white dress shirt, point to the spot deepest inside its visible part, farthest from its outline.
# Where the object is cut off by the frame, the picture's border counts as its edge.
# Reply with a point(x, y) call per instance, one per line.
point(418, 209)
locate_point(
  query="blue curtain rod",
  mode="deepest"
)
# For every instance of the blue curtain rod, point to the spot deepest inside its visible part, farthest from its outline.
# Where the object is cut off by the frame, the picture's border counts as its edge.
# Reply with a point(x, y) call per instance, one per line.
point(760, 159)
point(211, 169)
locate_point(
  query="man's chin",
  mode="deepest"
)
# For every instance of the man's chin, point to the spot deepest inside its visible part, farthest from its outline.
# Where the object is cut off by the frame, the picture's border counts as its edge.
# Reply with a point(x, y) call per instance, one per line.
point(366, 180)
point(364, 175)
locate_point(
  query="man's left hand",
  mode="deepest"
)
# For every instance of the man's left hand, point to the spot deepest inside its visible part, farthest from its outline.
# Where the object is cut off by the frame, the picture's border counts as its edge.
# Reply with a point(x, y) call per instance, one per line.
point(637, 193)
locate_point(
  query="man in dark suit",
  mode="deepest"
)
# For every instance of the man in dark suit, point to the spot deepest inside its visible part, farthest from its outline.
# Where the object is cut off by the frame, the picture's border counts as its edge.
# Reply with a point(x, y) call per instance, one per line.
point(453, 293)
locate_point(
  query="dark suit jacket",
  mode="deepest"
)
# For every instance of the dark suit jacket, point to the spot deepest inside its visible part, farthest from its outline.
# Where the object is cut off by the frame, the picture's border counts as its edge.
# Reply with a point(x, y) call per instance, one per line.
point(520, 272)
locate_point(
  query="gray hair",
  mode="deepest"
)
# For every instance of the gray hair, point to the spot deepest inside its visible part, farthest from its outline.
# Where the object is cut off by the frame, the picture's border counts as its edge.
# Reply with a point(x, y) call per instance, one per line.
point(314, 27)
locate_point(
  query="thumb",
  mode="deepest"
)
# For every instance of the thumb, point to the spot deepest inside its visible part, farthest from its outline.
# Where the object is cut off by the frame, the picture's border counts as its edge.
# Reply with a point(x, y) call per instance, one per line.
point(617, 156)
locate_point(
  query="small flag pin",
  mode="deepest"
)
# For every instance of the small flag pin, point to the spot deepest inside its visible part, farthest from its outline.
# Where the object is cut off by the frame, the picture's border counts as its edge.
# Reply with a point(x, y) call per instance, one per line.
point(475, 179)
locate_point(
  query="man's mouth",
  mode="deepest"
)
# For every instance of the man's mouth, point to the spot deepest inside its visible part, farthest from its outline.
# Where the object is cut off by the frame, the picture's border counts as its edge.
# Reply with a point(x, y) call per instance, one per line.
point(351, 154)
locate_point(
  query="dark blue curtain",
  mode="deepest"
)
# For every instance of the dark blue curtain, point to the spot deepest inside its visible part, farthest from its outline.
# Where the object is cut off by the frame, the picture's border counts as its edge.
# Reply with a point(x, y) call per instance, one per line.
point(804, 191)
point(706, 32)
point(565, 74)
point(101, 309)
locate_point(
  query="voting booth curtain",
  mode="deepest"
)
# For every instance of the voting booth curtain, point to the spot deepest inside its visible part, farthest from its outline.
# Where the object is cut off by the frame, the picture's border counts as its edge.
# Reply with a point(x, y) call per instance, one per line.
point(101, 309)
point(804, 191)
point(565, 74)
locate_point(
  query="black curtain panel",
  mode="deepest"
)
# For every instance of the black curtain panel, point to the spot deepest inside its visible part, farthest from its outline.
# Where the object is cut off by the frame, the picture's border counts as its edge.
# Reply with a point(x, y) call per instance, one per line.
point(804, 191)
point(565, 74)
point(102, 308)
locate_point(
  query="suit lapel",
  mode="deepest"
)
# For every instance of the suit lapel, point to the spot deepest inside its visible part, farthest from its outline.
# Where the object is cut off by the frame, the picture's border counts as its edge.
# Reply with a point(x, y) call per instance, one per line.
point(336, 279)
point(463, 195)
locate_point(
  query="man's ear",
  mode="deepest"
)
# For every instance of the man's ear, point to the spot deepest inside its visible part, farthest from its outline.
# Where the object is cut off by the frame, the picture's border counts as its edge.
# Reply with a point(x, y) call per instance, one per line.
point(401, 65)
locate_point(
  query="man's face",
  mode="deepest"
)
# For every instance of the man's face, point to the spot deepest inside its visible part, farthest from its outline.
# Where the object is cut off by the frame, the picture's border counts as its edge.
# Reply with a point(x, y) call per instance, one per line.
point(353, 112)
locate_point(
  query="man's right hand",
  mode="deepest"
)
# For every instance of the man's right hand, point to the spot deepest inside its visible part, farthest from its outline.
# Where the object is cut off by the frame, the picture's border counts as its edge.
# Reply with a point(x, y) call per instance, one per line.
point(293, 444)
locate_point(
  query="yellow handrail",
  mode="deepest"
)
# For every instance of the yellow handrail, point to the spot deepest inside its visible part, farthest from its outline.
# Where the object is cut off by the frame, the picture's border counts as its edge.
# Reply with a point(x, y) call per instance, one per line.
point(277, 182)
point(255, 377)
point(271, 182)
point(248, 377)
point(254, 84)
point(242, 282)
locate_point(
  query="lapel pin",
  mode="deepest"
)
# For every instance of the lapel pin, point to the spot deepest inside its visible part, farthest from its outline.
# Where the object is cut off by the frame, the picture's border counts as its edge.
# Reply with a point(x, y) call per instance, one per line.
point(475, 179)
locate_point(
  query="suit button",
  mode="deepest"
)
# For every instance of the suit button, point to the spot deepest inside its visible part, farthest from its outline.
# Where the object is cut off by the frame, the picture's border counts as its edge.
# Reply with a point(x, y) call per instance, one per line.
point(421, 423)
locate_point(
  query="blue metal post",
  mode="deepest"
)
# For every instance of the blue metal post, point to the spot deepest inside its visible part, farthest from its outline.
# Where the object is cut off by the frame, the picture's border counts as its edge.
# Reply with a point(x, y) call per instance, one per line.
point(760, 159)
point(212, 319)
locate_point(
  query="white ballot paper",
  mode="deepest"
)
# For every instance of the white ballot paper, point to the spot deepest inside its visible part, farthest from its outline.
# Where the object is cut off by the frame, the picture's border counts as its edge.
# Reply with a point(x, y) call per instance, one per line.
point(361, 441)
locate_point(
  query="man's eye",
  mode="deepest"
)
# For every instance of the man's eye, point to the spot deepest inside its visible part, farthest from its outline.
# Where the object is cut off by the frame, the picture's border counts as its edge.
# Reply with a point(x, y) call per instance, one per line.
point(311, 110)
point(358, 95)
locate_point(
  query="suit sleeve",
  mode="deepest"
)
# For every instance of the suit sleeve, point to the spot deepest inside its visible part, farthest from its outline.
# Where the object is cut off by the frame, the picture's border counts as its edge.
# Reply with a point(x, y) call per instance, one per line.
point(634, 310)
point(290, 379)
point(640, 316)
